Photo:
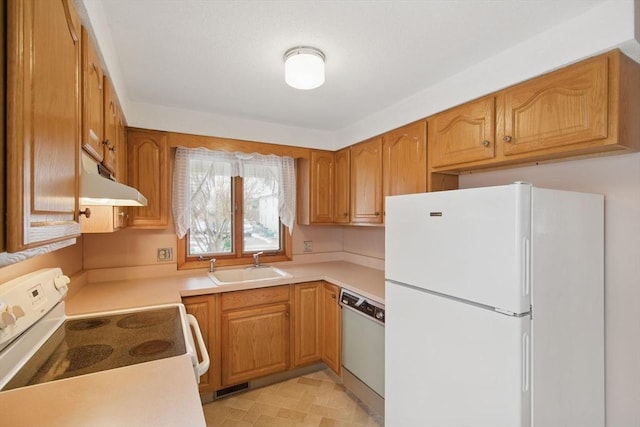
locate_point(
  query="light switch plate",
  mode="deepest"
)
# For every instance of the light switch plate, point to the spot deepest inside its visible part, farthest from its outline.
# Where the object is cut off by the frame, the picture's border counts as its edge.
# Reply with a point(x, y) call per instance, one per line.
point(308, 245)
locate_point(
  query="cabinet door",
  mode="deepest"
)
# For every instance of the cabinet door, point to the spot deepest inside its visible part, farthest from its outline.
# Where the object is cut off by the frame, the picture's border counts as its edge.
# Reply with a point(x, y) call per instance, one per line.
point(561, 108)
point(3, 30)
point(110, 146)
point(331, 327)
point(405, 160)
point(148, 172)
point(307, 323)
point(92, 99)
point(321, 186)
point(104, 219)
point(254, 343)
point(202, 308)
point(463, 134)
point(43, 122)
point(342, 161)
point(366, 182)
point(121, 150)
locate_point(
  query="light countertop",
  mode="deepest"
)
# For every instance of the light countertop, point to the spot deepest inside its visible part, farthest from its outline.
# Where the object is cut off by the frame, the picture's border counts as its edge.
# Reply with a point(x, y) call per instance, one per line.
point(161, 393)
point(122, 294)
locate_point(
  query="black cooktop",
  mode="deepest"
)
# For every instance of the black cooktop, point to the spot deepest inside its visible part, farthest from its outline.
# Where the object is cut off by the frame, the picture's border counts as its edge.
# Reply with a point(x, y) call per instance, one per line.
point(87, 345)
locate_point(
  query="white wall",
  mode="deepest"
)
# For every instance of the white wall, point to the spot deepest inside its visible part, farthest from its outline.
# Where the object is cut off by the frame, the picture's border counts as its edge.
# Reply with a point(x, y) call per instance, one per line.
point(367, 241)
point(199, 123)
point(618, 178)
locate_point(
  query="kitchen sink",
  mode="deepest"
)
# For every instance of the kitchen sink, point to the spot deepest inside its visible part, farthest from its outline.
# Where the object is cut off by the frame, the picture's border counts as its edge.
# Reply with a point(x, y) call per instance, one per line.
point(247, 274)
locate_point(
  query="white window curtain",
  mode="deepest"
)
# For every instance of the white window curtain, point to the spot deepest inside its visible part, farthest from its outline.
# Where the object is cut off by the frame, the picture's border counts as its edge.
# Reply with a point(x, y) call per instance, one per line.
point(223, 163)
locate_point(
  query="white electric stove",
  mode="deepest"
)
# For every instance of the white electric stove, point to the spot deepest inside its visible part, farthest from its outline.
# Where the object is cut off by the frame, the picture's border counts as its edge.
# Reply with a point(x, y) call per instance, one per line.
point(39, 343)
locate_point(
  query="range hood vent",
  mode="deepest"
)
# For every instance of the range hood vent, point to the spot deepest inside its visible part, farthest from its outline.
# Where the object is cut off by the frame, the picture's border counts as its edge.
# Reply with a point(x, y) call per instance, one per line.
point(97, 187)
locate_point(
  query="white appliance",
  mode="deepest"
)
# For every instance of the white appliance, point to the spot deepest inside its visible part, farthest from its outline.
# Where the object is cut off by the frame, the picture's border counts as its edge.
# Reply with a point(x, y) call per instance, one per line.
point(39, 343)
point(494, 300)
point(363, 340)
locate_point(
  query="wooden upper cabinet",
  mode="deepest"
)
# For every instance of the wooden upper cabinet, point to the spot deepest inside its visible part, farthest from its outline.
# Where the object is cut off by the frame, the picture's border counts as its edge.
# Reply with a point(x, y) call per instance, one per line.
point(111, 144)
point(104, 219)
point(92, 99)
point(121, 150)
point(561, 108)
point(463, 134)
point(366, 182)
point(342, 188)
point(43, 122)
point(148, 172)
point(321, 188)
point(587, 108)
point(405, 160)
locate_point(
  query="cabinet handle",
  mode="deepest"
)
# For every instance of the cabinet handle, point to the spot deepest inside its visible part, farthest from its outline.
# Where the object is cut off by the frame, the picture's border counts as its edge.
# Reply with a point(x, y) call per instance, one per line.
point(345, 214)
point(106, 142)
point(86, 212)
point(506, 138)
point(377, 214)
point(112, 148)
point(333, 296)
point(485, 143)
point(286, 314)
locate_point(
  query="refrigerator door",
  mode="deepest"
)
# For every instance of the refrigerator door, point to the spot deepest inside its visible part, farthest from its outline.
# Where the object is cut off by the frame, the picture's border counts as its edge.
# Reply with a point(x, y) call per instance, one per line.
point(472, 244)
point(451, 364)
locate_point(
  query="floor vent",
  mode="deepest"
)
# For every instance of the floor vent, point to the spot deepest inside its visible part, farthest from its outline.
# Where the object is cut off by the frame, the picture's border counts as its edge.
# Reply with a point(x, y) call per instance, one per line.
point(232, 389)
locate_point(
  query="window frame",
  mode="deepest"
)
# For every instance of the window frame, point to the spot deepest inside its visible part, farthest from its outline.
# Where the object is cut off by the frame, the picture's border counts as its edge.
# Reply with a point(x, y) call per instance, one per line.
point(239, 257)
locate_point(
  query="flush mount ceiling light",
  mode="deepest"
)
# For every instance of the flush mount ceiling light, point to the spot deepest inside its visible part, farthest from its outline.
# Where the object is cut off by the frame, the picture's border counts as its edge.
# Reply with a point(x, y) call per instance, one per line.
point(304, 67)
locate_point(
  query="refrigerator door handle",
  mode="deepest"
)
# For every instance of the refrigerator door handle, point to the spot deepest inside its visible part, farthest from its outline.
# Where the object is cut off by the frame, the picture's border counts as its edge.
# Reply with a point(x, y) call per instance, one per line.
point(526, 362)
point(526, 262)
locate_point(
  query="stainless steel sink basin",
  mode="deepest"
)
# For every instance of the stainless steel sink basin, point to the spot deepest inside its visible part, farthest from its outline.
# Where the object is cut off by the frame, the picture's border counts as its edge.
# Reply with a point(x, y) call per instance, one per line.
point(247, 274)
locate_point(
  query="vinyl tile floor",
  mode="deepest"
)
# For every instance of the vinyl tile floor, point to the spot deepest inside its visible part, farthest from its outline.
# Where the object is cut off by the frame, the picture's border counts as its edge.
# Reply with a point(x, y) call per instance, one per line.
point(314, 399)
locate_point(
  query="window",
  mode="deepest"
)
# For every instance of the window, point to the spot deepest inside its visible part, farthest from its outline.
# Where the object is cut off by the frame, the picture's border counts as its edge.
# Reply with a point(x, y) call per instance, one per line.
point(230, 205)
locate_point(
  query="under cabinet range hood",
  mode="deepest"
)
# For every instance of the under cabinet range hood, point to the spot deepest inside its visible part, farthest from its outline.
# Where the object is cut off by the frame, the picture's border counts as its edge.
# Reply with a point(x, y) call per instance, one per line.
point(97, 187)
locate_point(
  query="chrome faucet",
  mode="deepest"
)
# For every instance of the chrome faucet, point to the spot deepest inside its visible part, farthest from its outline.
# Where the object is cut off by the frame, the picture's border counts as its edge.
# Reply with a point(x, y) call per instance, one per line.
point(256, 259)
point(212, 265)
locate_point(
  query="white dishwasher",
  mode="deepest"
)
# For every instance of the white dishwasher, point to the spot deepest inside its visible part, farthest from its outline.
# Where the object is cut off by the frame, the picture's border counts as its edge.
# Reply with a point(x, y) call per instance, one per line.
point(363, 339)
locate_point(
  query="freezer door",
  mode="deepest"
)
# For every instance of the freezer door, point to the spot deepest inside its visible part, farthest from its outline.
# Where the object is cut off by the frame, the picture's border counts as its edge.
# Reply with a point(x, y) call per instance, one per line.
point(450, 364)
point(472, 244)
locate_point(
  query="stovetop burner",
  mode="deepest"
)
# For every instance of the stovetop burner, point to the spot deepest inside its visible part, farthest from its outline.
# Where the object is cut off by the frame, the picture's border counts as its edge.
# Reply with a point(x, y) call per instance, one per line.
point(84, 325)
point(88, 345)
point(143, 320)
point(149, 348)
point(76, 358)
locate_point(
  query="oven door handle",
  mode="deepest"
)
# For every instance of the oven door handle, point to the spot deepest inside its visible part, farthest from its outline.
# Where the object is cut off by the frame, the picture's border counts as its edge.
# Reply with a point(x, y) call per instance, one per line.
point(203, 366)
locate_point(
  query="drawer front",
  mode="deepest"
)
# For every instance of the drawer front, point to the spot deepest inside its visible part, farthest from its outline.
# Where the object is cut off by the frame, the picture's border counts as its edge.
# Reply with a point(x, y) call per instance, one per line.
point(253, 297)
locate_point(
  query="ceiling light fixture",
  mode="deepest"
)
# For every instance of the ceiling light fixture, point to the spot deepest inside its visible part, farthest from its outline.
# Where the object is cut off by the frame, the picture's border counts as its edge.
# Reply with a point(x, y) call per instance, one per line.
point(304, 67)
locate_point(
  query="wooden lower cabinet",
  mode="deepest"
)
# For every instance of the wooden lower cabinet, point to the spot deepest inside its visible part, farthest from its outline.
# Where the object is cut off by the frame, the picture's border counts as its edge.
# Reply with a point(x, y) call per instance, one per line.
point(331, 327)
point(254, 342)
point(264, 331)
point(202, 307)
point(307, 323)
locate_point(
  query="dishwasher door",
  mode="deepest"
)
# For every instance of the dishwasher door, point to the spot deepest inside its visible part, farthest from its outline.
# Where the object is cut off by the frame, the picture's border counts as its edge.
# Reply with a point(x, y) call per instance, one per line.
point(363, 349)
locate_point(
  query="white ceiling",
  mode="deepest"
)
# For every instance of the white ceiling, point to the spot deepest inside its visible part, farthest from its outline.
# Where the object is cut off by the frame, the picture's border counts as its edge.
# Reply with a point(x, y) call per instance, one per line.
point(225, 57)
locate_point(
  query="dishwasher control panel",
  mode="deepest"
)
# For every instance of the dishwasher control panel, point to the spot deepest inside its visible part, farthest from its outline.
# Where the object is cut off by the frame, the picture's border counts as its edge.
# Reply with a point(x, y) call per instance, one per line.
point(365, 306)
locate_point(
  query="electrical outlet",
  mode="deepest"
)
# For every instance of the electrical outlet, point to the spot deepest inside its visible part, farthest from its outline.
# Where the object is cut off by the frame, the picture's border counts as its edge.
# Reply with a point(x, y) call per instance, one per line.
point(165, 254)
point(308, 245)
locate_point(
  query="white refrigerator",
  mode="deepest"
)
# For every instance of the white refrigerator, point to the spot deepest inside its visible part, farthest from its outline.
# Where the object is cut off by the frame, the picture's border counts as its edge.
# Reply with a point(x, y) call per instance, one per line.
point(494, 308)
